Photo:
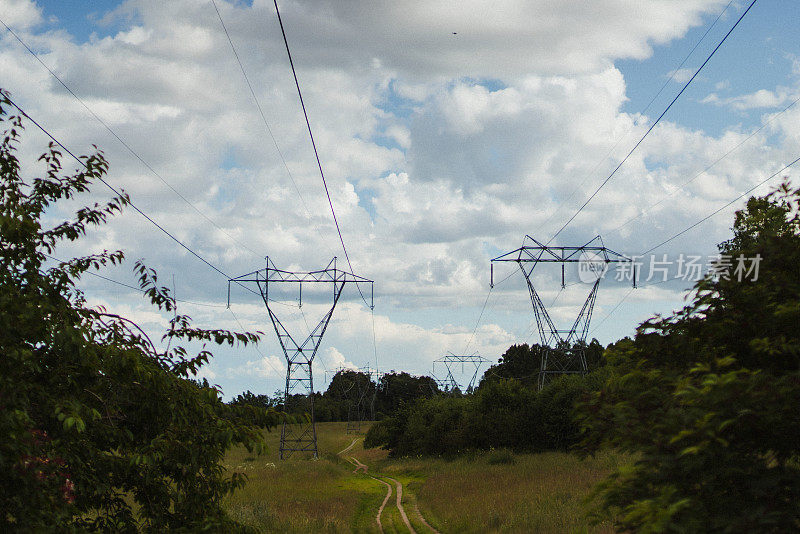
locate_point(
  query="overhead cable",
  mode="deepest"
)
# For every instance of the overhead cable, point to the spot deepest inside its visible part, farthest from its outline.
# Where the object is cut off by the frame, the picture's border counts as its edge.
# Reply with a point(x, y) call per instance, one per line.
point(642, 112)
point(119, 194)
point(123, 143)
point(675, 99)
point(314, 146)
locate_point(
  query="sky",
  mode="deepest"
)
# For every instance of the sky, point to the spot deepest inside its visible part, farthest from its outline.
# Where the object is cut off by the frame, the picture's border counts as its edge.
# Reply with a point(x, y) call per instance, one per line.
point(447, 132)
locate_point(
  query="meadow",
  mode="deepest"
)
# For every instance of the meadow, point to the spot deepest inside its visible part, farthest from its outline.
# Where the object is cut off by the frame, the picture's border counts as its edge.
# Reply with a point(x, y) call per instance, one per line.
point(492, 491)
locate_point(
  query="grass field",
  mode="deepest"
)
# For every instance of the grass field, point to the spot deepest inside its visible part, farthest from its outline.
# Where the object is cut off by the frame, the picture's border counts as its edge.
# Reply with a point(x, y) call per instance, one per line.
point(495, 491)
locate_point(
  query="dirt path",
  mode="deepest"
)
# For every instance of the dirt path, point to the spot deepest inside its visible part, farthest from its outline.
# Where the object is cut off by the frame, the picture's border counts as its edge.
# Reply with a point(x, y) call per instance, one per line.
point(359, 466)
point(383, 504)
point(400, 505)
point(348, 447)
point(363, 468)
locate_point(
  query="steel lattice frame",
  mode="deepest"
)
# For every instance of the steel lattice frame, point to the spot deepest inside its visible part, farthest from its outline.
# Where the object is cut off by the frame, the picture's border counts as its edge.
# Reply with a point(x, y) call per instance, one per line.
point(564, 349)
point(355, 400)
point(449, 382)
point(300, 436)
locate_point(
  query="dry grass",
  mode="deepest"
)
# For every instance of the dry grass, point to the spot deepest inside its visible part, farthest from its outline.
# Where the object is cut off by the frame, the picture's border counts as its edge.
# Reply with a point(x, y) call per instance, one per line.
point(483, 492)
point(300, 494)
point(533, 493)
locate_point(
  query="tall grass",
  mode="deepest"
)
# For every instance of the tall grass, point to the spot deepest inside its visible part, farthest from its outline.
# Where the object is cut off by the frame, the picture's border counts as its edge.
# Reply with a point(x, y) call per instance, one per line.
point(495, 491)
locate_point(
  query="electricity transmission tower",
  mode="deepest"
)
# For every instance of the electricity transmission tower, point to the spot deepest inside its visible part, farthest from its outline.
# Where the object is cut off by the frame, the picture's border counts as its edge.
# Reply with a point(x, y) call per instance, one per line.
point(564, 350)
point(299, 392)
point(374, 378)
point(353, 386)
point(450, 361)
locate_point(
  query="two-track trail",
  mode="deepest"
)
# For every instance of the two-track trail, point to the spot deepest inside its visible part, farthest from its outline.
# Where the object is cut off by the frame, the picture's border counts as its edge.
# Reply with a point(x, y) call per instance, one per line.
point(400, 505)
point(399, 493)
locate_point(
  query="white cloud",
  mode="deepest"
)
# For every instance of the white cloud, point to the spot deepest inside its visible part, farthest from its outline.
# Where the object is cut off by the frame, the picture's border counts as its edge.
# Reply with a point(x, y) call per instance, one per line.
point(20, 14)
point(763, 98)
point(681, 75)
point(498, 131)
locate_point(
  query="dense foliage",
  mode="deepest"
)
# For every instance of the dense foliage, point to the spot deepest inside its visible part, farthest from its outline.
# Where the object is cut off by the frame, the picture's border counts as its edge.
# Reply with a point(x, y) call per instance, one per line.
point(708, 398)
point(523, 362)
point(352, 395)
point(99, 428)
point(502, 413)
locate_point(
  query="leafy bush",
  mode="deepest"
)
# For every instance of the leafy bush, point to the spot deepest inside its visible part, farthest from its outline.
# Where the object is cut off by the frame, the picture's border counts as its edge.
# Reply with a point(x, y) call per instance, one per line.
point(99, 429)
point(708, 398)
point(500, 414)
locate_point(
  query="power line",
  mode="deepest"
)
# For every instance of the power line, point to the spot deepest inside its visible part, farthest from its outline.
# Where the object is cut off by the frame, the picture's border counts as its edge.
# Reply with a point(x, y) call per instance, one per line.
point(603, 320)
point(139, 289)
point(692, 179)
point(255, 345)
point(604, 182)
point(642, 112)
point(690, 227)
point(122, 142)
point(261, 112)
point(119, 194)
point(483, 309)
point(314, 146)
point(704, 219)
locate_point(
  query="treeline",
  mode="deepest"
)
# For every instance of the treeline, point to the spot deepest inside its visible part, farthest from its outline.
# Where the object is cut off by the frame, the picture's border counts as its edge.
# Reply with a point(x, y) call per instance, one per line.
point(507, 410)
point(351, 395)
point(707, 400)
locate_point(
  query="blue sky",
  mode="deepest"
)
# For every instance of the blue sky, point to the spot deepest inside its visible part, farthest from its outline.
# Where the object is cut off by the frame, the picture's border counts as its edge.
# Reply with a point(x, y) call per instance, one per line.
point(440, 150)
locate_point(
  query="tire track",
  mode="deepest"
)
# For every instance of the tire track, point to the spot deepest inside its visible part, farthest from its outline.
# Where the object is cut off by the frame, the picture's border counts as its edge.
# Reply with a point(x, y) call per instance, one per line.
point(399, 487)
point(348, 447)
point(400, 505)
point(383, 504)
point(422, 518)
point(362, 467)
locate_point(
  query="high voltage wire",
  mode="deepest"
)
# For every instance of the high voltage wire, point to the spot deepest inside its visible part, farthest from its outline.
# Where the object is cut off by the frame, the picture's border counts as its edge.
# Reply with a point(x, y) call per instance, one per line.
point(694, 225)
point(314, 146)
point(139, 289)
point(692, 179)
point(119, 194)
point(255, 345)
point(686, 85)
point(704, 219)
point(261, 112)
point(642, 112)
point(483, 309)
point(122, 142)
point(280, 153)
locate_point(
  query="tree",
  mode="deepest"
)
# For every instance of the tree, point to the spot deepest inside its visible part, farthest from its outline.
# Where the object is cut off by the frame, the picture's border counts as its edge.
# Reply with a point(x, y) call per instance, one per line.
point(707, 398)
point(396, 389)
point(99, 428)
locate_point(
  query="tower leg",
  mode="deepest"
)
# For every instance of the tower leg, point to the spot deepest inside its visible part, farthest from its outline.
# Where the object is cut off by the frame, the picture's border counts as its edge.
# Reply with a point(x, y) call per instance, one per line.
point(300, 435)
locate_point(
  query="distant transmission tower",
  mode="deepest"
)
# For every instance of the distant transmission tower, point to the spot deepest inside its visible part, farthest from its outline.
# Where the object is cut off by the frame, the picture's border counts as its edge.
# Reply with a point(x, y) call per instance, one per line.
point(450, 361)
point(299, 392)
point(564, 350)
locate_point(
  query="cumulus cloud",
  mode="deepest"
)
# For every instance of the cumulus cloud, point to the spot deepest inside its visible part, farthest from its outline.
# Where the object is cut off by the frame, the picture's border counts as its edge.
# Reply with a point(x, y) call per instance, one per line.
point(440, 151)
point(763, 98)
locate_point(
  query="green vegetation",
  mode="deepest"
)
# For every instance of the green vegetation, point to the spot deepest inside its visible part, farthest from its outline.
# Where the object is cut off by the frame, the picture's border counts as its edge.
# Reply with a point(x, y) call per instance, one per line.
point(470, 493)
point(351, 394)
point(708, 398)
point(705, 400)
point(99, 429)
point(504, 413)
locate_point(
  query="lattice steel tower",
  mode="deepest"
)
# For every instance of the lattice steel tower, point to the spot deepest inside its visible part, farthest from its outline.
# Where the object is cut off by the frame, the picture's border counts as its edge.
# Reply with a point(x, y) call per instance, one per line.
point(449, 360)
point(564, 349)
point(299, 393)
